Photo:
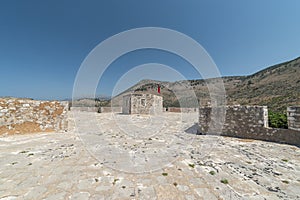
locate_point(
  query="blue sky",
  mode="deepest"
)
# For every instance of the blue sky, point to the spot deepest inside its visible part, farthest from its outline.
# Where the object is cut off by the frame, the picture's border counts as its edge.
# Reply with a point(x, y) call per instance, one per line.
point(43, 43)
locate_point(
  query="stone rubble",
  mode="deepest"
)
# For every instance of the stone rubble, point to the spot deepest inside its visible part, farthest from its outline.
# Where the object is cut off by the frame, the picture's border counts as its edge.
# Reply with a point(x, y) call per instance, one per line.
point(19, 116)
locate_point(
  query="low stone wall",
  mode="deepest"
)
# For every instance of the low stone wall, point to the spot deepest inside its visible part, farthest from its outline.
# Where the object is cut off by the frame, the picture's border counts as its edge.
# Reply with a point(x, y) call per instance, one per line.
point(184, 110)
point(110, 109)
point(97, 109)
point(293, 114)
point(173, 109)
point(249, 122)
point(85, 109)
point(19, 116)
point(238, 119)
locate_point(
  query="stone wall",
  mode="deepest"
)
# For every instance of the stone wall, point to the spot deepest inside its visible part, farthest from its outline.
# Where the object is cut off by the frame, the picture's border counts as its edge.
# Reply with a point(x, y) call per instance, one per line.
point(184, 110)
point(293, 114)
point(85, 109)
point(97, 109)
point(238, 119)
point(126, 104)
point(173, 109)
point(110, 109)
point(18, 116)
point(249, 122)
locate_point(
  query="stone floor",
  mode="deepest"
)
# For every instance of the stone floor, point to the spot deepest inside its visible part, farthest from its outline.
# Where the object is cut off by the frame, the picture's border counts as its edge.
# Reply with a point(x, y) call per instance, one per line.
point(114, 156)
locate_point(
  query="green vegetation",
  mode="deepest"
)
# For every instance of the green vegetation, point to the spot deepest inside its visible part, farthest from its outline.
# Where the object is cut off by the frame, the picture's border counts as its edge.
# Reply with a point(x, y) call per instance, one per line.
point(277, 120)
point(285, 160)
point(192, 165)
point(212, 172)
point(224, 181)
point(165, 174)
point(24, 151)
point(175, 184)
point(285, 181)
point(115, 181)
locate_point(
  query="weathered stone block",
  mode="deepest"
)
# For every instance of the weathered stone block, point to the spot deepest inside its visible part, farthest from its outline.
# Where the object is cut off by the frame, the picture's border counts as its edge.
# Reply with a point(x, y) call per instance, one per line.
point(4, 110)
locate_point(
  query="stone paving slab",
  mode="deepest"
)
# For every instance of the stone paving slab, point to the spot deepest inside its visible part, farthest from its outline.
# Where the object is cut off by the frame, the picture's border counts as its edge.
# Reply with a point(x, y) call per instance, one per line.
point(59, 166)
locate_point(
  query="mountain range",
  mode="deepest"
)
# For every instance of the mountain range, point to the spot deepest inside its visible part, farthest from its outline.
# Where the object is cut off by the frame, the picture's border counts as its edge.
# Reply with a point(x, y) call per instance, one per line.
point(277, 87)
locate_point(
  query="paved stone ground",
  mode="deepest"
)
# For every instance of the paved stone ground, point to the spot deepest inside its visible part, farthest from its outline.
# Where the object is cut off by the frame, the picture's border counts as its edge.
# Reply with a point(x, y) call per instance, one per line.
point(123, 157)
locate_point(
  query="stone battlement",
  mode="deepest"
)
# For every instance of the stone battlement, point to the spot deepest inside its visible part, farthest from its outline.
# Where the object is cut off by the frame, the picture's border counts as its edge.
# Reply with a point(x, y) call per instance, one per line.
point(250, 122)
point(293, 113)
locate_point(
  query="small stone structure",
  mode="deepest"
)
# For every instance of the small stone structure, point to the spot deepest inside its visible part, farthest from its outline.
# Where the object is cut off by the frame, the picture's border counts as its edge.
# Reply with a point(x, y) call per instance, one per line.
point(19, 116)
point(250, 122)
point(141, 103)
point(293, 114)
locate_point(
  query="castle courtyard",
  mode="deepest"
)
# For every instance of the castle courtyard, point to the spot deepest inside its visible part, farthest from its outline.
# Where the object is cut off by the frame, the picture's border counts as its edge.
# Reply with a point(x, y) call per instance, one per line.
point(117, 156)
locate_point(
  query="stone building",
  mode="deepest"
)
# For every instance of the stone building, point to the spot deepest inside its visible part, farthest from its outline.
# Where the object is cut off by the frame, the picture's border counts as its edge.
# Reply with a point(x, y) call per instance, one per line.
point(141, 103)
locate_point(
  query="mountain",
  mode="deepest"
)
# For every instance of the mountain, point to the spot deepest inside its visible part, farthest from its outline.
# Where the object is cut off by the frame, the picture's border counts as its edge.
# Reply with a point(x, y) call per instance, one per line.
point(277, 87)
point(100, 100)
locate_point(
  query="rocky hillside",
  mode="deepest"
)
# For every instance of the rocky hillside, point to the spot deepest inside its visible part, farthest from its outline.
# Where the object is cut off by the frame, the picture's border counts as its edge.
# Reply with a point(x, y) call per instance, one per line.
point(277, 87)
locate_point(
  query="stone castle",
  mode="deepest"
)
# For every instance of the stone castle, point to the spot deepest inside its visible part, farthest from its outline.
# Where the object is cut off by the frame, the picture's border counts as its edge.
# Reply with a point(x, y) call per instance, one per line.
point(31, 116)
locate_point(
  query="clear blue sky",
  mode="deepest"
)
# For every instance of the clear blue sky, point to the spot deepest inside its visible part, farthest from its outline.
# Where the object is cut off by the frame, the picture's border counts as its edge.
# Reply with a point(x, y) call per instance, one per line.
point(43, 43)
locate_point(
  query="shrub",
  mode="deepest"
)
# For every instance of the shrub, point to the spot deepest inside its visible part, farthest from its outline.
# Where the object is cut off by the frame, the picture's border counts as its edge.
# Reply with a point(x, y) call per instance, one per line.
point(277, 120)
point(192, 165)
point(224, 181)
point(165, 174)
point(212, 172)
